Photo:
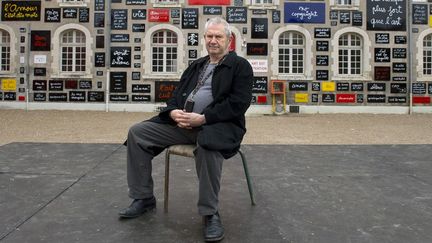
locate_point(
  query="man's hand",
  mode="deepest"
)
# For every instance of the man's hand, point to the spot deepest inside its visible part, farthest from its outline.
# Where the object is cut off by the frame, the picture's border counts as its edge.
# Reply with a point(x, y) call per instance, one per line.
point(187, 120)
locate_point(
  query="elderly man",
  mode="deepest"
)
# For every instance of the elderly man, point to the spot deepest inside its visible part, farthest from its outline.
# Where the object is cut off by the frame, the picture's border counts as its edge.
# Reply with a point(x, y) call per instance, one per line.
point(207, 109)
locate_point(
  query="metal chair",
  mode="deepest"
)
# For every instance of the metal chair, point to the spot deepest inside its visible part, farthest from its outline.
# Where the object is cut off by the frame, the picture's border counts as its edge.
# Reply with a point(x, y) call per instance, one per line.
point(186, 150)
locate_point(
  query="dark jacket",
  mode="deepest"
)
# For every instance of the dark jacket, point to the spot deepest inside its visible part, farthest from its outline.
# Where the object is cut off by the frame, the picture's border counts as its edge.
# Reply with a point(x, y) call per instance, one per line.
point(232, 94)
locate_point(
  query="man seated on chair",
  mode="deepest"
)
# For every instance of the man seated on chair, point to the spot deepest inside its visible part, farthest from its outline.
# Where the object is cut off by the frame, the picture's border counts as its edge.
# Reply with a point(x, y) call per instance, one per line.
point(207, 109)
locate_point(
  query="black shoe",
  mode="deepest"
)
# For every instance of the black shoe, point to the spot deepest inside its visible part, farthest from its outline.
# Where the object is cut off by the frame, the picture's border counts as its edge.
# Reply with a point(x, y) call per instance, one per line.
point(213, 230)
point(138, 207)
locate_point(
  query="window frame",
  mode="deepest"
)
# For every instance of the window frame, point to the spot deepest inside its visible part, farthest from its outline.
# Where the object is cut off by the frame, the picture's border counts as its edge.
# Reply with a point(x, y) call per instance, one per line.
point(308, 71)
point(146, 67)
point(5, 67)
point(253, 4)
point(76, 48)
point(168, 49)
point(73, 3)
point(354, 5)
point(350, 49)
point(263, 2)
point(367, 58)
point(344, 2)
point(167, 3)
point(427, 49)
point(291, 47)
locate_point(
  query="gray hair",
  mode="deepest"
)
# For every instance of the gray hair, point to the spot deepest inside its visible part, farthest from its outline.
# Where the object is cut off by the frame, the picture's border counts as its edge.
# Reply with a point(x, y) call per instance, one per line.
point(218, 20)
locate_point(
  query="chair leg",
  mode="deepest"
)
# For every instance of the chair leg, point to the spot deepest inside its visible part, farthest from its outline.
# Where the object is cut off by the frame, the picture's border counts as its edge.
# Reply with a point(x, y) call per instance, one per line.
point(249, 181)
point(166, 188)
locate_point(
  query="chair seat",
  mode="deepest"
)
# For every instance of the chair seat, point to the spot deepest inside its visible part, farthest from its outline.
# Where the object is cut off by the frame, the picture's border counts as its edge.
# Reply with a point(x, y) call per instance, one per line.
point(187, 150)
point(182, 150)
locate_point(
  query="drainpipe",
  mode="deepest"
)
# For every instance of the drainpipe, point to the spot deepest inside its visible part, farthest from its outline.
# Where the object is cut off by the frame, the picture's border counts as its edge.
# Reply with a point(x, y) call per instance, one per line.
point(107, 85)
point(27, 66)
point(410, 51)
point(108, 52)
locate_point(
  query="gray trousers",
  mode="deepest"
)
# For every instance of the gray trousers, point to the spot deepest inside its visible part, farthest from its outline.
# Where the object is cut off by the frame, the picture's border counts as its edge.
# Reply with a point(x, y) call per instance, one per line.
point(145, 136)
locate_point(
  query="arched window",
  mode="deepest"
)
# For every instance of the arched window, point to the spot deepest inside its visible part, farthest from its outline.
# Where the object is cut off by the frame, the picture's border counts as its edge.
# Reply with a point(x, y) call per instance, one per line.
point(5, 50)
point(164, 51)
point(291, 53)
point(427, 55)
point(73, 51)
point(350, 54)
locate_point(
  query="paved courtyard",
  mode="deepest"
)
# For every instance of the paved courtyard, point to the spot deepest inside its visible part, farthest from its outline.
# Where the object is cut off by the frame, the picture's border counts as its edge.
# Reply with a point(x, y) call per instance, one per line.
point(71, 192)
point(317, 178)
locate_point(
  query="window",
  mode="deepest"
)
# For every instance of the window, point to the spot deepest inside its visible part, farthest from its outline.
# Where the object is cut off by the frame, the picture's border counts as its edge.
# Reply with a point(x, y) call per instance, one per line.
point(167, 2)
point(427, 55)
point(73, 3)
point(259, 4)
point(263, 2)
point(344, 2)
point(164, 51)
point(291, 53)
point(73, 51)
point(5, 51)
point(349, 55)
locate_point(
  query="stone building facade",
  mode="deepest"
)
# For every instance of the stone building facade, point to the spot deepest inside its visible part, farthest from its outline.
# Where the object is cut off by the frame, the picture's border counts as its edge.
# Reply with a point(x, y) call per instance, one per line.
point(326, 55)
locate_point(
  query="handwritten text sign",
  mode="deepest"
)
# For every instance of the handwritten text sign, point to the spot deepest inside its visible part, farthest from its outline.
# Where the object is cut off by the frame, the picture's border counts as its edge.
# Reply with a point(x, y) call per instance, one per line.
point(257, 49)
point(164, 90)
point(120, 57)
point(190, 18)
point(301, 98)
point(52, 15)
point(259, 29)
point(236, 15)
point(345, 98)
point(420, 14)
point(118, 82)
point(381, 73)
point(259, 66)
point(386, 15)
point(259, 85)
point(158, 15)
point(328, 86)
point(21, 11)
point(119, 19)
point(40, 40)
point(304, 12)
point(212, 10)
point(8, 84)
